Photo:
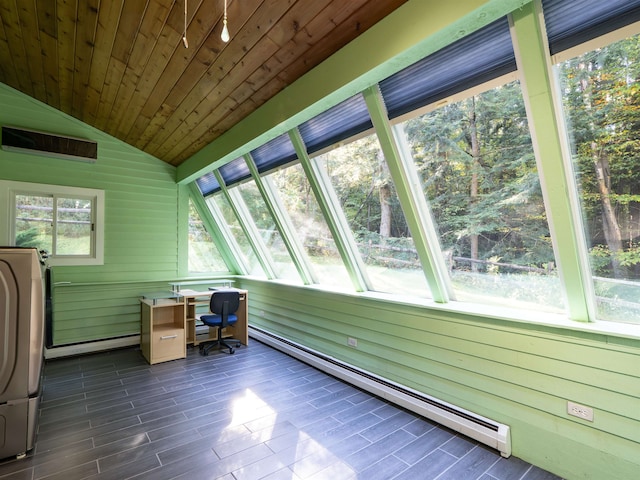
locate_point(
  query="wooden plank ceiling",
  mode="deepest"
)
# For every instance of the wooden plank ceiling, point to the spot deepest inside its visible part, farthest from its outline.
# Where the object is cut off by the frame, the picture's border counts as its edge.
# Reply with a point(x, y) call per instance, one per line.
point(121, 66)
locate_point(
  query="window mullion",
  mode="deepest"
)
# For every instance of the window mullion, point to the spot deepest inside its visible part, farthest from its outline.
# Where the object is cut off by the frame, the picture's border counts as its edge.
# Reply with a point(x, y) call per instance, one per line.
point(283, 223)
point(248, 227)
point(553, 157)
point(411, 199)
point(333, 215)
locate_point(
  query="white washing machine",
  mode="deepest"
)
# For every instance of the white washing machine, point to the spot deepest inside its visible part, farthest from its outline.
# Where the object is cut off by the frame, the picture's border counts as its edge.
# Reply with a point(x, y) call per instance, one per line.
point(22, 328)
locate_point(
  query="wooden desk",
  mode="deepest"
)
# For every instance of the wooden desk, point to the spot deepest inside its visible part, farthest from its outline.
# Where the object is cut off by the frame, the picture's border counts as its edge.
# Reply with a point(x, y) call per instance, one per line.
point(197, 303)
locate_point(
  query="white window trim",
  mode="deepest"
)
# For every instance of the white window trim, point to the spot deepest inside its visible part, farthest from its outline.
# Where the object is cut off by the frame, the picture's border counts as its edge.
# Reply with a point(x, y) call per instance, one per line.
point(8, 191)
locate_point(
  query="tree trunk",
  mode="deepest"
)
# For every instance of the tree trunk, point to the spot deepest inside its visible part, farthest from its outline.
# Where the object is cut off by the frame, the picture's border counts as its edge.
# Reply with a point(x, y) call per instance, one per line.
point(610, 225)
point(385, 195)
point(473, 193)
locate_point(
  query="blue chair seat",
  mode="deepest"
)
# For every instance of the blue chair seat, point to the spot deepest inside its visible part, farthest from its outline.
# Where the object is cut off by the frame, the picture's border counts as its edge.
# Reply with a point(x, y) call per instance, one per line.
point(216, 320)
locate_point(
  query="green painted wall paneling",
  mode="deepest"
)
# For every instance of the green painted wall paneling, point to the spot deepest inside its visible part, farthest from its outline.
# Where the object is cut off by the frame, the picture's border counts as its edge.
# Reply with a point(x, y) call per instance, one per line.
point(516, 373)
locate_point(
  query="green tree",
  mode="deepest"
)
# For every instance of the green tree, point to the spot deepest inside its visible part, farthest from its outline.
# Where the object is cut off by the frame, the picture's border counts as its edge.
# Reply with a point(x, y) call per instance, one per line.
point(602, 102)
point(479, 174)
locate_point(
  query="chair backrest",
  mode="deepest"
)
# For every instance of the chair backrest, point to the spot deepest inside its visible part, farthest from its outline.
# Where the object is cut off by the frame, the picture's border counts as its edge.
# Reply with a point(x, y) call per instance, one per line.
point(224, 302)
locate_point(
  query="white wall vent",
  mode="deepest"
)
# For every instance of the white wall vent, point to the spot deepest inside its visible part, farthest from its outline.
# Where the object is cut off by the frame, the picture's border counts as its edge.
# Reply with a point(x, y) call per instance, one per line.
point(482, 429)
point(48, 144)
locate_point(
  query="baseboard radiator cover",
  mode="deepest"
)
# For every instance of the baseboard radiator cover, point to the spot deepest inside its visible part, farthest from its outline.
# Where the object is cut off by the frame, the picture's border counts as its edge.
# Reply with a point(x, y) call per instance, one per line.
point(477, 427)
point(91, 347)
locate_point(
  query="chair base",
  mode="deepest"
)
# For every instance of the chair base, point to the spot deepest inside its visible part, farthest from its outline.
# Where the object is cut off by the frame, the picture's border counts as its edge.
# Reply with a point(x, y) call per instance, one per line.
point(223, 343)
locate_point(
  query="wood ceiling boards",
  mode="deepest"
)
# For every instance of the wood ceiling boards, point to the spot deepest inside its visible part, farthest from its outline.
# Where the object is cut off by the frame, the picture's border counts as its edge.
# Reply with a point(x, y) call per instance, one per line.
point(121, 66)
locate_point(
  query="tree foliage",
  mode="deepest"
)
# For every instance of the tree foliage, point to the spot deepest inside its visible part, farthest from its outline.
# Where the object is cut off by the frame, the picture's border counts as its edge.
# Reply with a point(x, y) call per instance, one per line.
point(479, 174)
point(602, 104)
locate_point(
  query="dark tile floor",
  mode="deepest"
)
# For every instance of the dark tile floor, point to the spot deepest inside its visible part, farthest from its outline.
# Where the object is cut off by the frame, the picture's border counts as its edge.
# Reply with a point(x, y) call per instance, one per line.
point(258, 414)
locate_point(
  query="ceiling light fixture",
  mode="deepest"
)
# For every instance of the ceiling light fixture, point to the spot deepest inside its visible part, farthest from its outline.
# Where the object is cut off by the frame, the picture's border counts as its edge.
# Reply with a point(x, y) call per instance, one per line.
point(184, 36)
point(225, 31)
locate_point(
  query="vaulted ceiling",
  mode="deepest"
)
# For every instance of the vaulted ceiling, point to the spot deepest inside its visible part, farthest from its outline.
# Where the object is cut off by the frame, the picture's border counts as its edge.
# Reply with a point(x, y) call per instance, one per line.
point(122, 66)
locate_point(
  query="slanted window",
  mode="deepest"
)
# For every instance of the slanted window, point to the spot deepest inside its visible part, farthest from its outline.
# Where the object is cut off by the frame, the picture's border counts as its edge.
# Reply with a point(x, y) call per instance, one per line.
point(284, 267)
point(219, 203)
point(602, 110)
point(67, 222)
point(204, 256)
point(298, 199)
point(360, 177)
point(476, 162)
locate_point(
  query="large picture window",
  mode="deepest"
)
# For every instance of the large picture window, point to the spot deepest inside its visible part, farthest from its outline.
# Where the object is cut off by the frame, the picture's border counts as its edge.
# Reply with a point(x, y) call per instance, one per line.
point(478, 171)
point(602, 109)
point(204, 256)
point(360, 177)
point(66, 222)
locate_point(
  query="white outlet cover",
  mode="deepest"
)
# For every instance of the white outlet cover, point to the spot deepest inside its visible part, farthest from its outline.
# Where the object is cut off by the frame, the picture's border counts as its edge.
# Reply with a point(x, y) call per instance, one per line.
point(580, 411)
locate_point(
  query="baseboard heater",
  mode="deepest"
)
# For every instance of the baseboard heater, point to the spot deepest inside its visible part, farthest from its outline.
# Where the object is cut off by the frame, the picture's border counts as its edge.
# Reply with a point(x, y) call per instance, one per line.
point(484, 430)
point(93, 346)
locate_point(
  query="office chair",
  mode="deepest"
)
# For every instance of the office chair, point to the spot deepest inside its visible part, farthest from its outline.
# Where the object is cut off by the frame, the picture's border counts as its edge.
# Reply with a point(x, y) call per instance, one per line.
point(223, 306)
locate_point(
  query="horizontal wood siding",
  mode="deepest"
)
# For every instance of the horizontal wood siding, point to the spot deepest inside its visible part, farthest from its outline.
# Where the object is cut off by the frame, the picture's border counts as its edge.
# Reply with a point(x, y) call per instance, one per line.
point(99, 311)
point(141, 216)
point(516, 373)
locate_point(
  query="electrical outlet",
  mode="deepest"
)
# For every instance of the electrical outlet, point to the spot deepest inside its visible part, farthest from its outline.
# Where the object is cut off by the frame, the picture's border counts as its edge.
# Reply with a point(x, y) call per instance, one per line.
point(580, 411)
point(352, 342)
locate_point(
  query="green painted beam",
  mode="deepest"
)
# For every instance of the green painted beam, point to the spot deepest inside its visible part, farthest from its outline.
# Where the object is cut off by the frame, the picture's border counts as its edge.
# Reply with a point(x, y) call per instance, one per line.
point(416, 29)
point(550, 144)
point(411, 197)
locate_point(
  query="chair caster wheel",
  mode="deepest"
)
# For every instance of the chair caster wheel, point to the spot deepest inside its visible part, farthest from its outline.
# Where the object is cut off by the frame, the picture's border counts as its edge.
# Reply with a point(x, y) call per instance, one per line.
point(232, 351)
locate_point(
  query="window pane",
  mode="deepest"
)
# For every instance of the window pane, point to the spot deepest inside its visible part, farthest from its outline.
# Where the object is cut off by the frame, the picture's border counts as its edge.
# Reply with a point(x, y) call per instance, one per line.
point(602, 107)
point(204, 256)
point(311, 228)
point(34, 222)
point(363, 185)
point(236, 230)
point(479, 175)
point(271, 237)
point(73, 226)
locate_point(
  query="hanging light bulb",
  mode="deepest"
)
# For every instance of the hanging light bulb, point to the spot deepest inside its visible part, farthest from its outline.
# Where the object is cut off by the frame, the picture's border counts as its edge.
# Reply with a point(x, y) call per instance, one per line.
point(184, 36)
point(225, 31)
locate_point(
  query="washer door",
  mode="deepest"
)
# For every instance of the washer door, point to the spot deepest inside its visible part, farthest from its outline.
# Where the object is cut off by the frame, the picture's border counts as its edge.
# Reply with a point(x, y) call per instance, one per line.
point(8, 327)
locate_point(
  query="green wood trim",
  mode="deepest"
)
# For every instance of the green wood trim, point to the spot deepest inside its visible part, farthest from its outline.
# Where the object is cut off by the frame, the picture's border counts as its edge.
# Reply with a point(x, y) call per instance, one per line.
point(183, 230)
point(550, 145)
point(411, 198)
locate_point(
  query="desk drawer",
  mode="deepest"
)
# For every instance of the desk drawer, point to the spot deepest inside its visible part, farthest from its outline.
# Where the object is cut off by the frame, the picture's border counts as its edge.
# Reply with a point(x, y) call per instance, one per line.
point(168, 343)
